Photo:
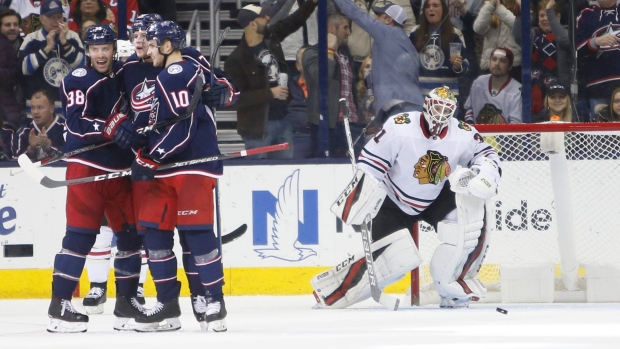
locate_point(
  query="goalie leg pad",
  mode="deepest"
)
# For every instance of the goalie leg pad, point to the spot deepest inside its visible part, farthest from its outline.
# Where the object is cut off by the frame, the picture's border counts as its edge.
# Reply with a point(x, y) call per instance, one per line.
point(347, 283)
point(451, 260)
point(362, 196)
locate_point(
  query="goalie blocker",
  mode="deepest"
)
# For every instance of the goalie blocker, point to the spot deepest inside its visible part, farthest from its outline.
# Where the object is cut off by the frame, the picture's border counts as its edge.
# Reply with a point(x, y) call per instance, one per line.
point(362, 196)
point(347, 284)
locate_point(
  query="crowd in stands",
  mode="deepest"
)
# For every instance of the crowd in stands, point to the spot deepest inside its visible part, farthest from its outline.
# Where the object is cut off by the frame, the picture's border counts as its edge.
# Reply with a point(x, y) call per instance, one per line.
point(40, 43)
point(472, 46)
point(382, 57)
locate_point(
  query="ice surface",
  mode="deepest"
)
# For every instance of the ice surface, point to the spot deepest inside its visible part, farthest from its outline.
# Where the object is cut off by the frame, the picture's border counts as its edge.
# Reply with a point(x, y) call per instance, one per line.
point(289, 322)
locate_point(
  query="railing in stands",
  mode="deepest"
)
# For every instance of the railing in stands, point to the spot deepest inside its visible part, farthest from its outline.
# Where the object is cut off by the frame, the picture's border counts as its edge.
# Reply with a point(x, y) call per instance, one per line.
point(214, 29)
point(194, 25)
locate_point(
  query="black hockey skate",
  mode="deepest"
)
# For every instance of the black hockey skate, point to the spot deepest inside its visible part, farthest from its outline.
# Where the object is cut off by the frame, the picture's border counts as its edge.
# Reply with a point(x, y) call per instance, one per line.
point(199, 306)
point(140, 297)
point(126, 310)
point(64, 318)
point(96, 298)
point(161, 317)
point(216, 313)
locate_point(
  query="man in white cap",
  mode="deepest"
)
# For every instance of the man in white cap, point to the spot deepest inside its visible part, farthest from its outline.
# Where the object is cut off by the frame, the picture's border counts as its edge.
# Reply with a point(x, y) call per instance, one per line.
point(395, 62)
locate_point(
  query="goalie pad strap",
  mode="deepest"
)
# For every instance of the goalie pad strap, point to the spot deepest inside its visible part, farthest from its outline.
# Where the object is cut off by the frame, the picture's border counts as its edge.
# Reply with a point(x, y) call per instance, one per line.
point(347, 283)
point(361, 197)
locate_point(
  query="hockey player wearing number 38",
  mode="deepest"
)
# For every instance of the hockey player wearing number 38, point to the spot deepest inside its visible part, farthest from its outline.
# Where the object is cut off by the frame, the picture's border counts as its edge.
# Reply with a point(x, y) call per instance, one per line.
point(421, 166)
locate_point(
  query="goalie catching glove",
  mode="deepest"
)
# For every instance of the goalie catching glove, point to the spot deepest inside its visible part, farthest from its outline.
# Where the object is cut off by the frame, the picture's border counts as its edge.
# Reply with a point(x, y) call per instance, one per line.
point(480, 180)
point(362, 196)
point(122, 131)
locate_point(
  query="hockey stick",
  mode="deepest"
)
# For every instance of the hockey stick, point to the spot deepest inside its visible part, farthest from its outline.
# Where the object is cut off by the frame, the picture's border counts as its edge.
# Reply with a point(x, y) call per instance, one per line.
point(387, 301)
point(33, 171)
point(217, 48)
point(62, 156)
point(235, 234)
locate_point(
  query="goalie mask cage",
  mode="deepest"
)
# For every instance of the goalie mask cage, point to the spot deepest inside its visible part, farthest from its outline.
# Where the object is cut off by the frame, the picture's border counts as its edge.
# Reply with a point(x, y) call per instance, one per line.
point(558, 205)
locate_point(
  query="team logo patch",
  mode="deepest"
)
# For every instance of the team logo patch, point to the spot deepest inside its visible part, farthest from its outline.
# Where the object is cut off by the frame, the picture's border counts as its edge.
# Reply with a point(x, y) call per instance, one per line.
point(55, 70)
point(175, 69)
point(402, 119)
point(432, 168)
point(142, 95)
point(79, 72)
point(464, 126)
point(432, 57)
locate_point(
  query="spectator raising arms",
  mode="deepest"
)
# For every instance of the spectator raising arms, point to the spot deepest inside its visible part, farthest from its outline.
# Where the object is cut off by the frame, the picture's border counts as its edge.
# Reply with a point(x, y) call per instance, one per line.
point(495, 22)
point(395, 61)
point(361, 41)
point(552, 53)
point(255, 67)
point(441, 48)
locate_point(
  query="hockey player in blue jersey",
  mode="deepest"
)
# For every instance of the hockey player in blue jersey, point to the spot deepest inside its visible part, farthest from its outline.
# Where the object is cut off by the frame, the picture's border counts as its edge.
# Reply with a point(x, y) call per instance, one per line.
point(186, 189)
point(91, 97)
point(139, 75)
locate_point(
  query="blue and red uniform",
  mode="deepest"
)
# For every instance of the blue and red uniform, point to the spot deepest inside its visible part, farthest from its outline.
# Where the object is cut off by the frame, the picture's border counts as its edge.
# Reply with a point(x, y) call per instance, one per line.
point(88, 98)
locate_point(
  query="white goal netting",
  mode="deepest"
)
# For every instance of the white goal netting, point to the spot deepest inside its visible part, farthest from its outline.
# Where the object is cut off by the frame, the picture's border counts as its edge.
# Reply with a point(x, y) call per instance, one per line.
point(561, 208)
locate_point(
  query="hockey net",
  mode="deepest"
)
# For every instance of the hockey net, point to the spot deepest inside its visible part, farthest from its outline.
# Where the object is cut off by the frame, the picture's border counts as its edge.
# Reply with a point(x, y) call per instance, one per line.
point(560, 206)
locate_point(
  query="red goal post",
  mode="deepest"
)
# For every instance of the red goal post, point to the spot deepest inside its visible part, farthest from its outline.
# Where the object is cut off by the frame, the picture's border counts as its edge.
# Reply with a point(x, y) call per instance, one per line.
point(558, 205)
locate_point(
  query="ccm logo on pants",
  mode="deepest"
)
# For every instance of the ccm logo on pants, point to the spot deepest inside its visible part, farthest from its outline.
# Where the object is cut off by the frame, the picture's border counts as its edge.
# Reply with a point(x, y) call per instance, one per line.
point(188, 213)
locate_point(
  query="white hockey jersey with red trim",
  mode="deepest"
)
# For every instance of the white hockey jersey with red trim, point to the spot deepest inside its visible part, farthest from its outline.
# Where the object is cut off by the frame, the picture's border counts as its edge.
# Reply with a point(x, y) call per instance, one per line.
point(413, 166)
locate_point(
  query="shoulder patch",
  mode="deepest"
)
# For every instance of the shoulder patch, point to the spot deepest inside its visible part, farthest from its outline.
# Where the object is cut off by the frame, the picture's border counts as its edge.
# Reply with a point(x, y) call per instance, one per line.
point(175, 69)
point(402, 119)
point(79, 72)
point(464, 126)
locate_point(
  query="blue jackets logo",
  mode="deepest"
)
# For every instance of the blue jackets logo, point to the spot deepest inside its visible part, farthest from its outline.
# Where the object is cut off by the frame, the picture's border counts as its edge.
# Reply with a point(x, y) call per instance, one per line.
point(286, 224)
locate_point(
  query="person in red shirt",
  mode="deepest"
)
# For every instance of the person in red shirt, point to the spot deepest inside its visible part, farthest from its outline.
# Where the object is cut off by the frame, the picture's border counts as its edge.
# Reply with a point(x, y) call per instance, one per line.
point(106, 11)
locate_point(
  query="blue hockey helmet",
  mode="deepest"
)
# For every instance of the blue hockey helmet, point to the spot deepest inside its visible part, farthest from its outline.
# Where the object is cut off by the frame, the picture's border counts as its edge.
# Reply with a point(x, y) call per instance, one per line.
point(143, 21)
point(166, 30)
point(99, 34)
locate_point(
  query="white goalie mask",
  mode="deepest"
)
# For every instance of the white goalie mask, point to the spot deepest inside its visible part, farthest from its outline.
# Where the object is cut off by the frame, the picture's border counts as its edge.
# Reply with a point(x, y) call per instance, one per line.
point(439, 106)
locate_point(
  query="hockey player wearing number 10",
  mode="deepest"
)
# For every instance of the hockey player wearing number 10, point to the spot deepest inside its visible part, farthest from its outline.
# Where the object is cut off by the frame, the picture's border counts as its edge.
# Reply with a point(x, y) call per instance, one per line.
point(433, 168)
point(91, 96)
point(187, 189)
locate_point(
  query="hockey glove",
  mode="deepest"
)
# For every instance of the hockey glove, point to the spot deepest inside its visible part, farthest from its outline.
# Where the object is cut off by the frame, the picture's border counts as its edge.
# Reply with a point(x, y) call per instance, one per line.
point(143, 168)
point(215, 97)
point(123, 132)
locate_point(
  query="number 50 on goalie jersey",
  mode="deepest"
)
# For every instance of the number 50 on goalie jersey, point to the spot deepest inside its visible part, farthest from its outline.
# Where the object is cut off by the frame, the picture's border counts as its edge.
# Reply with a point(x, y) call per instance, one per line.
point(189, 139)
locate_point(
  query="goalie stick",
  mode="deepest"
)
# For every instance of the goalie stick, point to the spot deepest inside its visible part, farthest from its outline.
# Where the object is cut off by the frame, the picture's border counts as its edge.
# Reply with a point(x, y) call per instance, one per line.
point(387, 301)
point(33, 171)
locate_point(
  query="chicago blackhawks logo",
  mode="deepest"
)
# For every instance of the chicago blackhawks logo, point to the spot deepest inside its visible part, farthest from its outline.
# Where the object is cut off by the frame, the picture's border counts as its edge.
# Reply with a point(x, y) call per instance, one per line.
point(464, 126)
point(402, 119)
point(432, 168)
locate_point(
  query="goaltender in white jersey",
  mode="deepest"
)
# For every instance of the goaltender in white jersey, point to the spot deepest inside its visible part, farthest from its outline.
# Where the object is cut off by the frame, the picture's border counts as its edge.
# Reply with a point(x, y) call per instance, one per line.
point(433, 168)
